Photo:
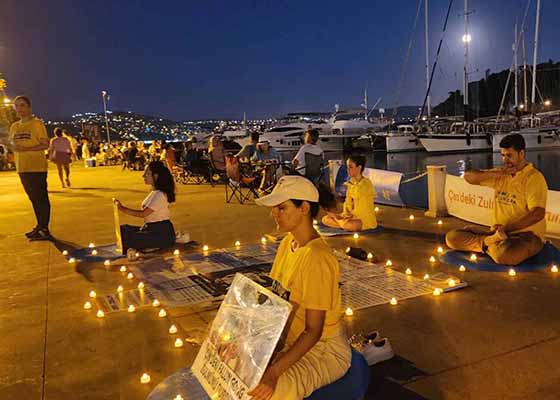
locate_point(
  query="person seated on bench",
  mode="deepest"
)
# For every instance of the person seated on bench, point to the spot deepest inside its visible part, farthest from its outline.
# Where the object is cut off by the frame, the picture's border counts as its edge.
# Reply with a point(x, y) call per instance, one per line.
point(306, 273)
point(358, 213)
point(519, 225)
point(157, 231)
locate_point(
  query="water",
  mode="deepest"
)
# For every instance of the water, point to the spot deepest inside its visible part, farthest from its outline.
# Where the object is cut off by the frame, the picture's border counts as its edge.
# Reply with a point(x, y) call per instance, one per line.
point(412, 163)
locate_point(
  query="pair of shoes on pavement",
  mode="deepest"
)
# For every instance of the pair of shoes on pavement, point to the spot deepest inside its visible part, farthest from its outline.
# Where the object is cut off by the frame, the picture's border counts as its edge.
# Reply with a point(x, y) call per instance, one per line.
point(373, 347)
point(38, 234)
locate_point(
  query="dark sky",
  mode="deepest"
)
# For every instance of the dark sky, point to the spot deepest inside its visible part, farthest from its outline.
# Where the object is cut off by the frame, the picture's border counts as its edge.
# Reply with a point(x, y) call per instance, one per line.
point(197, 59)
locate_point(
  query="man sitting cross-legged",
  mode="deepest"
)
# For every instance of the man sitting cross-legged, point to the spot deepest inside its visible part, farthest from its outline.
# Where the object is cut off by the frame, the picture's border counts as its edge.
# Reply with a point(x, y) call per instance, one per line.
point(519, 209)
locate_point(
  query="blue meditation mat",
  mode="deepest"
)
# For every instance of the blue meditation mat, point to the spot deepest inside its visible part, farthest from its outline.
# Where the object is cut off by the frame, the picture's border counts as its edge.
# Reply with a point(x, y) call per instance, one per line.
point(352, 386)
point(107, 252)
point(543, 260)
point(182, 382)
point(328, 231)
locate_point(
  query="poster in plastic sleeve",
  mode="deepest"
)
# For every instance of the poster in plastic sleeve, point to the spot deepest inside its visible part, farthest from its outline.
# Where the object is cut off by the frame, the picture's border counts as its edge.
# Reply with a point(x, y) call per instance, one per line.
point(241, 341)
point(475, 203)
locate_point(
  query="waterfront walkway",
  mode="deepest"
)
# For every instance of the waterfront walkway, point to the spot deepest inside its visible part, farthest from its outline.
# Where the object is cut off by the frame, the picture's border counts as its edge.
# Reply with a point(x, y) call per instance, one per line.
point(499, 338)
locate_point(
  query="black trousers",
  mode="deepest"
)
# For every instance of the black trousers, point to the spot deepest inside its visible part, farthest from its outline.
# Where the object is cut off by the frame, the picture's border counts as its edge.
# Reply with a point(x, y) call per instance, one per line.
point(155, 235)
point(35, 185)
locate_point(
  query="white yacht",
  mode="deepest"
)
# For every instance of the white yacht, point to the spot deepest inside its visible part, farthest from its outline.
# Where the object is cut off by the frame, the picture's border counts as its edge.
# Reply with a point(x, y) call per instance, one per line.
point(461, 137)
point(537, 135)
point(399, 140)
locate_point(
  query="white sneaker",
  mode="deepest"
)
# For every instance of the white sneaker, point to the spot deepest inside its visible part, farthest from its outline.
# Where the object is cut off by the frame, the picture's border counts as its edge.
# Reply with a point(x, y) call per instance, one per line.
point(377, 351)
point(182, 237)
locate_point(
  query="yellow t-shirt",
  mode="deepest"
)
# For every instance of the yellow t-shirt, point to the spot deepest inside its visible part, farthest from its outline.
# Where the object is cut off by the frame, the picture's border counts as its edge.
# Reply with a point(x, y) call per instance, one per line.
point(28, 134)
point(309, 276)
point(516, 195)
point(359, 202)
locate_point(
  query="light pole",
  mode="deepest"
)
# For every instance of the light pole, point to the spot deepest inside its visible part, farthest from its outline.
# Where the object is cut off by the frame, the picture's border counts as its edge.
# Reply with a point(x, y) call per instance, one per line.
point(105, 98)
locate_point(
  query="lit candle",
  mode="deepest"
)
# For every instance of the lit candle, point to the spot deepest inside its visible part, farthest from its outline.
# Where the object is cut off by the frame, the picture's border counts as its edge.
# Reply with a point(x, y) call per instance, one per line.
point(512, 272)
point(451, 282)
point(554, 268)
point(376, 209)
point(123, 268)
point(178, 342)
point(389, 263)
point(408, 271)
point(440, 222)
point(65, 253)
point(462, 268)
point(393, 301)
point(176, 252)
point(120, 289)
point(237, 243)
point(369, 256)
point(427, 276)
point(156, 303)
point(131, 308)
point(162, 313)
point(437, 291)
point(411, 217)
point(145, 378)
point(91, 245)
point(315, 222)
point(263, 240)
point(141, 285)
point(136, 254)
point(100, 314)
point(473, 257)
point(178, 397)
point(349, 312)
point(130, 275)
point(87, 305)
point(94, 252)
point(356, 236)
point(205, 248)
point(440, 249)
point(107, 263)
point(347, 250)
point(72, 260)
point(173, 329)
point(92, 294)
point(432, 259)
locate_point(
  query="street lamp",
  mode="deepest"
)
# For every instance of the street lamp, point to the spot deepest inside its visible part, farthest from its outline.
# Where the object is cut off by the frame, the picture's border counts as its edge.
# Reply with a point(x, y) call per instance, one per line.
point(105, 96)
point(466, 38)
point(521, 106)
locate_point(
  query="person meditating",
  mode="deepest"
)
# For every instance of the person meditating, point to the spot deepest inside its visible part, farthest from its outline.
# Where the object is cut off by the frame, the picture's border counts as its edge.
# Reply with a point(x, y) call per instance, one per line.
point(520, 196)
point(157, 231)
point(358, 211)
point(306, 273)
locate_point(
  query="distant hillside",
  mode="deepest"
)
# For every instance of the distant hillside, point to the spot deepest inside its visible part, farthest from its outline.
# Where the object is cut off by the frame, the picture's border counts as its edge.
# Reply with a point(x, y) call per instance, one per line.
point(486, 94)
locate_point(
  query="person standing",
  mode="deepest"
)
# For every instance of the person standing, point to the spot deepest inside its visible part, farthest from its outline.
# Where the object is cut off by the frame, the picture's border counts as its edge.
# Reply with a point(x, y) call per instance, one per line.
point(60, 153)
point(29, 140)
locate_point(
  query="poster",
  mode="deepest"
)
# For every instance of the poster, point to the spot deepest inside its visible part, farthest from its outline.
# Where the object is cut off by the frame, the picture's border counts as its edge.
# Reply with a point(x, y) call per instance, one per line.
point(241, 341)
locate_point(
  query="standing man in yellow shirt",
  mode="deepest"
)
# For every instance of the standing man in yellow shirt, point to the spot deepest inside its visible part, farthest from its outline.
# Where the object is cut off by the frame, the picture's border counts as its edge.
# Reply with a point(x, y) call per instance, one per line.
point(29, 140)
point(359, 211)
point(519, 209)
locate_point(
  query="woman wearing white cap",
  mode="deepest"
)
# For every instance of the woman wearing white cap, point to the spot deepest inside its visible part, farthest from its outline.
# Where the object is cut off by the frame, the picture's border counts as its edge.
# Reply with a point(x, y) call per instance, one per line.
point(306, 273)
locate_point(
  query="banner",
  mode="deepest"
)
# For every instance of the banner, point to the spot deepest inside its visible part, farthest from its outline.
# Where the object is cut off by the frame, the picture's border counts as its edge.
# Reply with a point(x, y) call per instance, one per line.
point(475, 203)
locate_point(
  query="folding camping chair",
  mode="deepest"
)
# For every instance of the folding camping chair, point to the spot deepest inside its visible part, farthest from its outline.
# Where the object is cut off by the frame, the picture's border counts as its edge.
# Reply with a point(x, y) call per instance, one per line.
point(241, 183)
point(195, 169)
point(314, 165)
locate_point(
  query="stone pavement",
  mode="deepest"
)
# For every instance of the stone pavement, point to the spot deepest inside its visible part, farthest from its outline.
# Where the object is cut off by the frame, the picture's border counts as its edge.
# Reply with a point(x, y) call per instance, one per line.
point(499, 338)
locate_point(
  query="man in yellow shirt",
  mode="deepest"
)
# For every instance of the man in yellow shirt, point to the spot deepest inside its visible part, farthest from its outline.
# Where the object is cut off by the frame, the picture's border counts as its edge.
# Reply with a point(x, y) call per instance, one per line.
point(29, 140)
point(519, 209)
point(358, 212)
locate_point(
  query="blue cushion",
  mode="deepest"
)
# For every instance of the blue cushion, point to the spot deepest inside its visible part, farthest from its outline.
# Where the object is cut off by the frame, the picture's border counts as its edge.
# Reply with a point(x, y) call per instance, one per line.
point(328, 231)
point(352, 386)
point(543, 260)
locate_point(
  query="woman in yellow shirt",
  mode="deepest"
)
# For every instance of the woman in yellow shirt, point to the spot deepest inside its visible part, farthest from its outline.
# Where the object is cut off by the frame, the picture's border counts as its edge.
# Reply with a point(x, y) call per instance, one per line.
point(305, 272)
point(358, 213)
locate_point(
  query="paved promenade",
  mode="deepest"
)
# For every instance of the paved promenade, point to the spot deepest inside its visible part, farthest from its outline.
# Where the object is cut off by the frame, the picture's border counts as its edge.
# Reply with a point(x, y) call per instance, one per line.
point(497, 339)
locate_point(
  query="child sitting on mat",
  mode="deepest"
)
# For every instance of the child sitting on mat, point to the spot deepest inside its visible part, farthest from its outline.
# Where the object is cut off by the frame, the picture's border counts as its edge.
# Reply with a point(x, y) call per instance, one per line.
point(157, 231)
point(358, 213)
point(306, 273)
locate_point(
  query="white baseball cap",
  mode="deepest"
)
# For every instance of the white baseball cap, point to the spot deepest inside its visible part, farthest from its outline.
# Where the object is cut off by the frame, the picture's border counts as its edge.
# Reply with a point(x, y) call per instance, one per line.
point(290, 187)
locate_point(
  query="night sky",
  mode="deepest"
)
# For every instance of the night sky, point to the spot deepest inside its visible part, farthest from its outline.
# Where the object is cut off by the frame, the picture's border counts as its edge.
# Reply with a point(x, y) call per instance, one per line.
point(202, 59)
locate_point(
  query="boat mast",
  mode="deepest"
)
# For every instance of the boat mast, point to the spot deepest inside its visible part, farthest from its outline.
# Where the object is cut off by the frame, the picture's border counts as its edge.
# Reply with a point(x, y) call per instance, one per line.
point(525, 97)
point(466, 40)
point(535, 51)
point(515, 67)
point(427, 57)
point(366, 104)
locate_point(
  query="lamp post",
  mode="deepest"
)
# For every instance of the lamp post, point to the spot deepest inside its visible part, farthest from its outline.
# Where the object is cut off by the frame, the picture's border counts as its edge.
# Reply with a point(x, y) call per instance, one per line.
point(105, 97)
